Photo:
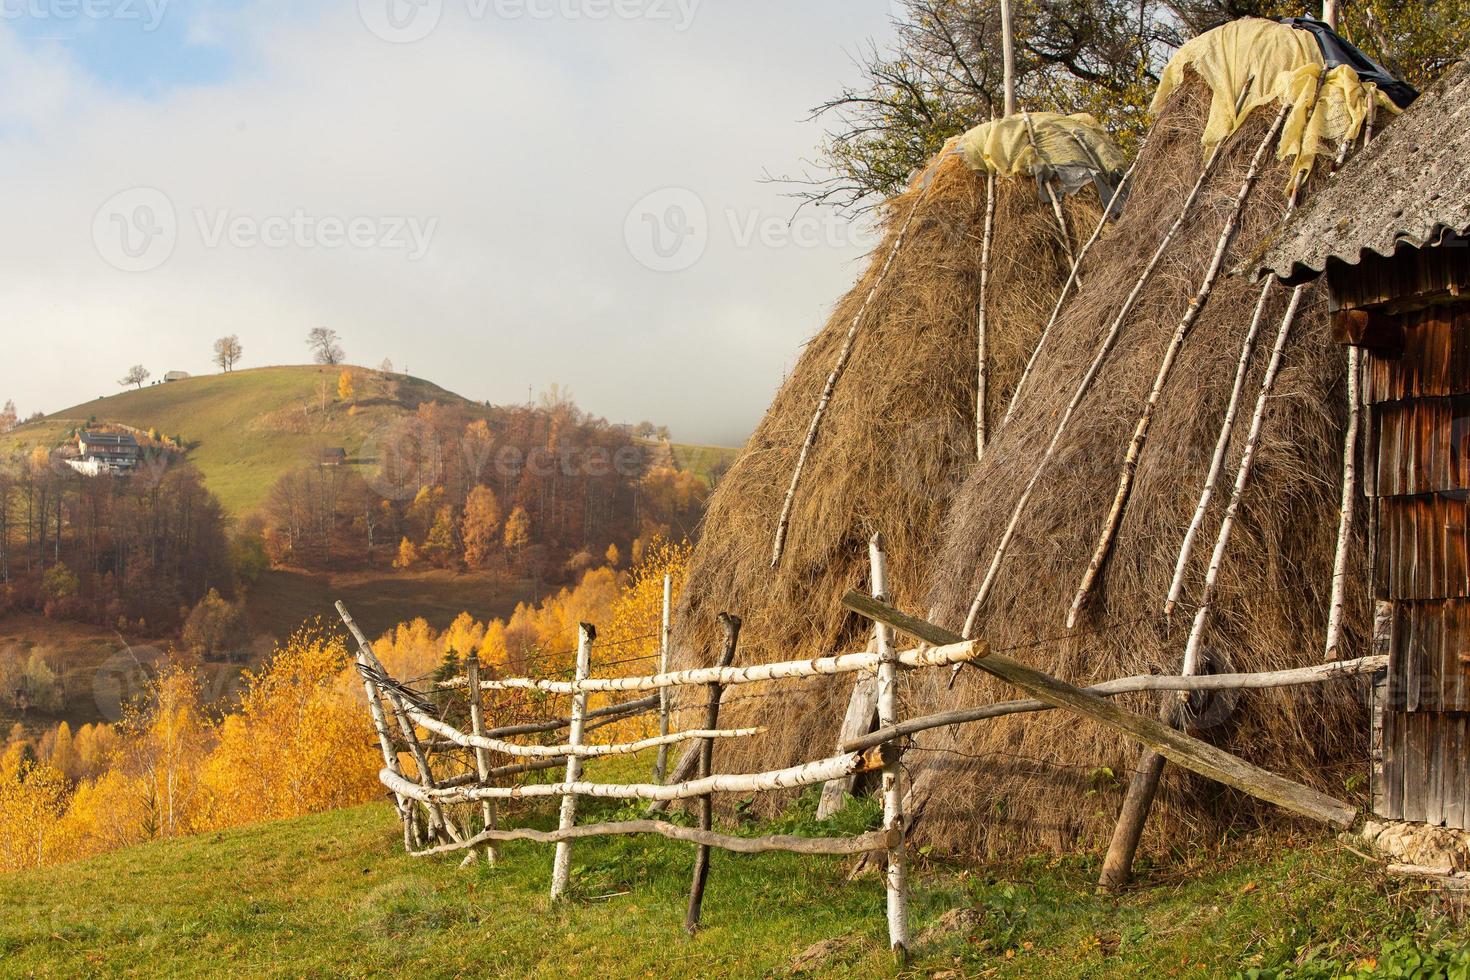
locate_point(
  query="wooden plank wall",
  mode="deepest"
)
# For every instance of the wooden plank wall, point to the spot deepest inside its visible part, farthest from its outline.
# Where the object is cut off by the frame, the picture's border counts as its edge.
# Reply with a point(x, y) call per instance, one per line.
point(1419, 482)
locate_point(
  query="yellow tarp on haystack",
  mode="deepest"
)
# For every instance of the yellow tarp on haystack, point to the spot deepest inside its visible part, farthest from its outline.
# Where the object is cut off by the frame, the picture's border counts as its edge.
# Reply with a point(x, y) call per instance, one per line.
point(1279, 64)
point(1006, 147)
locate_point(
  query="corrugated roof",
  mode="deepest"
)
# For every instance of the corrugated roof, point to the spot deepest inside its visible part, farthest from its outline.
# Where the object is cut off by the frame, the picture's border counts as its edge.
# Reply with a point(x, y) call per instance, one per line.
point(1411, 186)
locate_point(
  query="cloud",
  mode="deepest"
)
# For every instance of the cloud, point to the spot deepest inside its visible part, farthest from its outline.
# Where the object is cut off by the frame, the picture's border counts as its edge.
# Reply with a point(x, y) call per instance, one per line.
point(524, 144)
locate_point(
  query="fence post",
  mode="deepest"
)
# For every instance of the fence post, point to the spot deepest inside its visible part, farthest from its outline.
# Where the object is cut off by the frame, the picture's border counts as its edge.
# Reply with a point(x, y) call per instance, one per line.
point(731, 626)
point(482, 756)
point(561, 869)
point(661, 768)
point(896, 877)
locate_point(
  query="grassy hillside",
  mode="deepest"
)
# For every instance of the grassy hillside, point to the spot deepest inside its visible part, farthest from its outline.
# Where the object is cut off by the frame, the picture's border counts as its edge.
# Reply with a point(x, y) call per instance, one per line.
point(244, 430)
point(334, 895)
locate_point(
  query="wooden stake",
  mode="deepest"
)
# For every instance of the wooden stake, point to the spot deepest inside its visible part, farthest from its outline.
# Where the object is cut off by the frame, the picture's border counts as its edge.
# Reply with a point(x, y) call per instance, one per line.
point(1349, 502)
point(1008, 56)
point(1073, 280)
point(982, 388)
point(482, 756)
point(1111, 338)
point(665, 703)
point(1196, 306)
point(783, 525)
point(1118, 867)
point(862, 712)
point(1051, 194)
point(385, 742)
point(896, 878)
point(1191, 753)
point(731, 626)
point(561, 871)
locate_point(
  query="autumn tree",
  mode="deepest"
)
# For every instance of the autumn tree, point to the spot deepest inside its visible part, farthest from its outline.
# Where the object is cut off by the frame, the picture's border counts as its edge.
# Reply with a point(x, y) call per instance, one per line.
point(32, 803)
point(408, 555)
point(613, 556)
point(325, 346)
point(441, 543)
point(137, 374)
point(517, 530)
point(481, 526)
point(216, 628)
point(346, 388)
point(9, 418)
point(227, 351)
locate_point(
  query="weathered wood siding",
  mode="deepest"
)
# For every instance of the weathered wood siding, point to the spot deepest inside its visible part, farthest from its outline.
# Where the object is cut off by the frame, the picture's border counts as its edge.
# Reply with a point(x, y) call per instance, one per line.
point(1419, 483)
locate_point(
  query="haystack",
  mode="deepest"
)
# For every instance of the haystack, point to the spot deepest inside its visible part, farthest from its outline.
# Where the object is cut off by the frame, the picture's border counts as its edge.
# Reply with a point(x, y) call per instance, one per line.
point(899, 434)
point(1053, 780)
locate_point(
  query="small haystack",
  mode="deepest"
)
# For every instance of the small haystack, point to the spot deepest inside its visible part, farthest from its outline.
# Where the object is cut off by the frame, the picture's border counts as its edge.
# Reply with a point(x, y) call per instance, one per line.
point(1053, 780)
point(898, 435)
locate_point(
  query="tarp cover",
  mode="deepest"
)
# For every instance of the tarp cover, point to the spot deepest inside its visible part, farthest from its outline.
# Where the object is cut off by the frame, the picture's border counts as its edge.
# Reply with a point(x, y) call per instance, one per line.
point(1282, 65)
point(1072, 150)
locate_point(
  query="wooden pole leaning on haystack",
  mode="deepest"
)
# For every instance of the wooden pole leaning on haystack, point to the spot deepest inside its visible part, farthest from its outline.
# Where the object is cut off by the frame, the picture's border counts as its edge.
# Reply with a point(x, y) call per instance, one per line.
point(482, 756)
point(1008, 57)
point(1073, 279)
point(1349, 502)
point(783, 524)
point(982, 387)
point(439, 824)
point(1197, 303)
point(1085, 385)
point(895, 879)
point(730, 625)
point(1208, 760)
point(1051, 194)
point(661, 767)
point(1118, 866)
point(561, 869)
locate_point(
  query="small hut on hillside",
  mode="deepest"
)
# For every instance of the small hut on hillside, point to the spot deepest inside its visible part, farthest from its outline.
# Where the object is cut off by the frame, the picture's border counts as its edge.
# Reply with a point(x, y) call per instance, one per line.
point(1392, 236)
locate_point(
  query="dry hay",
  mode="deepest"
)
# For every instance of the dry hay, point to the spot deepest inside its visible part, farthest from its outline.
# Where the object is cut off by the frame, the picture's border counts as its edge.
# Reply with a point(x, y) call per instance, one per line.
point(1054, 780)
point(897, 440)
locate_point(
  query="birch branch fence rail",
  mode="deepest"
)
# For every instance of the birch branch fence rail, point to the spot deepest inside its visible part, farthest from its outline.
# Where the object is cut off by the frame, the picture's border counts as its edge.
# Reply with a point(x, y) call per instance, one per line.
point(426, 802)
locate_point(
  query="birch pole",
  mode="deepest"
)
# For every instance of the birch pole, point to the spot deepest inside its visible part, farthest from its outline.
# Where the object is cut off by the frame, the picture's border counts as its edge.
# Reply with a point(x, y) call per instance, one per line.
point(1085, 385)
point(561, 869)
point(1118, 865)
point(783, 525)
point(896, 876)
point(1051, 194)
point(1008, 56)
point(661, 767)
point(385, 743)
point(482, 756)
point(1349, 501)
point(1072, 282)
point(1329, 13)
point(982, 387)
point(1129, 472)
point(731, 626)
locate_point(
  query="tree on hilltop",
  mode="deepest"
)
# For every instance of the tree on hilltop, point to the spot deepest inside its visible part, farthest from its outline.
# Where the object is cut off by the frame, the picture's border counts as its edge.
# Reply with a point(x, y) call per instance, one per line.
point(325, 346)
point(227, 351)
point(137, 374)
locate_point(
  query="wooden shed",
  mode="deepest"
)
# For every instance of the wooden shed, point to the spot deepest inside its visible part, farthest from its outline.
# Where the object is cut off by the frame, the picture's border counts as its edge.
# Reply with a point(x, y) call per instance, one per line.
point(1389, 234)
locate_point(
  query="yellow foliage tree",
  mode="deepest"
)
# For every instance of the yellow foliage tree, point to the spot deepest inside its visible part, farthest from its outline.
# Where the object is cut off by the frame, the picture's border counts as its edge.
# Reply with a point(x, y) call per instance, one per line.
point(32, 803)
point(346, 386)
point(408, 555)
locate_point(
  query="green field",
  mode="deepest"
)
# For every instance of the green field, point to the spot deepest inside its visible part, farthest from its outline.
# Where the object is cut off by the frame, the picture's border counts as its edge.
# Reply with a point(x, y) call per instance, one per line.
point(334, 895)
point(246, 429)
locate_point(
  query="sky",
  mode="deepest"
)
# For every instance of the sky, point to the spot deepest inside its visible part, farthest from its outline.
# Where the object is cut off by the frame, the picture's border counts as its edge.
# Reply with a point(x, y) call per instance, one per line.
point(495, 195)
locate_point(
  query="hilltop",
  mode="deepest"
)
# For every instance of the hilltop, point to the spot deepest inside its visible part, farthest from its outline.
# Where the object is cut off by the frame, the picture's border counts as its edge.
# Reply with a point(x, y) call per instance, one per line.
point(246, 429)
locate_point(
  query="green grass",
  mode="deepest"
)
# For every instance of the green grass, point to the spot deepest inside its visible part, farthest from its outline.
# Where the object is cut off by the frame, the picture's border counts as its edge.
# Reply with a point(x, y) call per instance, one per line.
point(334, 895)
point(702, 460)
point(246, 429)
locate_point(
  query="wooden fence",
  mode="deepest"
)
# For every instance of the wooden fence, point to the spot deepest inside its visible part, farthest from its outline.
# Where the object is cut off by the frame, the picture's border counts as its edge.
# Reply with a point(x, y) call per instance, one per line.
point(410, 728)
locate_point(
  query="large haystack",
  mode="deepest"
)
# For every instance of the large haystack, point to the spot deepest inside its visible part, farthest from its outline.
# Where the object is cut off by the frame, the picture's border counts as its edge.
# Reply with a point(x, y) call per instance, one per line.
point(897, 439)
point(1054, 780)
